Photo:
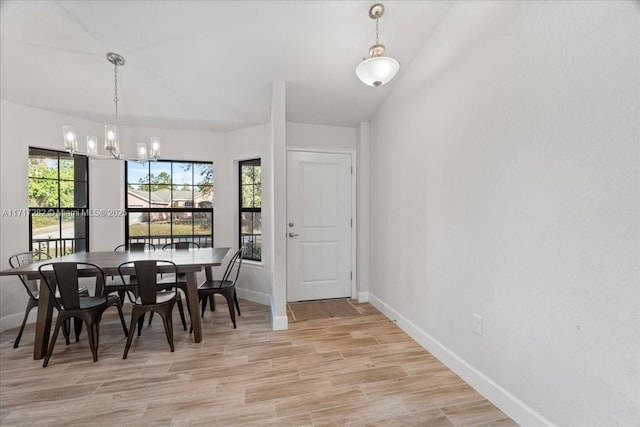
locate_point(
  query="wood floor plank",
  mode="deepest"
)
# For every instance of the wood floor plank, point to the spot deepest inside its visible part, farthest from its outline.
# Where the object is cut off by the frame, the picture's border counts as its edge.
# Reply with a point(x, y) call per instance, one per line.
point(360, 370)
point(473, 413)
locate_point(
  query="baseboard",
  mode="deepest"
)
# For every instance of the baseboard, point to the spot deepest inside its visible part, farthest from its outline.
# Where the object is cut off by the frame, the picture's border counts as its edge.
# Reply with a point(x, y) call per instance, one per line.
point(519, 411)
point(363, 296)
point(278, 323)
point(254, 296)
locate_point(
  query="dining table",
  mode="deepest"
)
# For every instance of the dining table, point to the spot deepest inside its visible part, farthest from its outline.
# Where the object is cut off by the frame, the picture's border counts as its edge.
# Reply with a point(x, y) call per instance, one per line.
point(188, 262)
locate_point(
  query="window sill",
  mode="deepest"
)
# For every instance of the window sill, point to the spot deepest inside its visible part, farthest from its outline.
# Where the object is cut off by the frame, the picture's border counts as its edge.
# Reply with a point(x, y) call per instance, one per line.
point(252, 264)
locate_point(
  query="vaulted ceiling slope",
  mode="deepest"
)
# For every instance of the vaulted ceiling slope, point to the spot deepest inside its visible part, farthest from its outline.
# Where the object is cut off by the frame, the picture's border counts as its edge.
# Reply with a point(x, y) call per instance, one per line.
point(204, 64)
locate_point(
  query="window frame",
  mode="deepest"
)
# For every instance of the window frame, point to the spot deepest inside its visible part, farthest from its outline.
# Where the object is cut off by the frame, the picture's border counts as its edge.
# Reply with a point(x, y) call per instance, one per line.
point(241, 209)
point(76, 212)
point(169, 210)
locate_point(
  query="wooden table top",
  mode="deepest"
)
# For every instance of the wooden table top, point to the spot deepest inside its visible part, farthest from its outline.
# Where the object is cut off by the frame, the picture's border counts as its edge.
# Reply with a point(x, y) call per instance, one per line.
point(185, 260)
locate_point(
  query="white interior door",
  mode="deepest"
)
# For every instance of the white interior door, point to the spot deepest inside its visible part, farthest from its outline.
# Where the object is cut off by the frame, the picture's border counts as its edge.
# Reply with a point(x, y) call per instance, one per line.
point(318, 225)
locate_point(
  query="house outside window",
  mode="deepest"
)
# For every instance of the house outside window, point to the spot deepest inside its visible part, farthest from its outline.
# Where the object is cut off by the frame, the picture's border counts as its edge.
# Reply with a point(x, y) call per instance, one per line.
point(251, 209)
point(58, 202)
point(168, 202)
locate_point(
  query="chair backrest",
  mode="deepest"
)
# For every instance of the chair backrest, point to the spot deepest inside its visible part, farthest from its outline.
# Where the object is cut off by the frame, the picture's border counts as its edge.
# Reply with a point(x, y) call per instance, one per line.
point(24, 258)
point(64, 276)
point(146, 273)
point(235, 259)
point(180, 246)
point(135, 247)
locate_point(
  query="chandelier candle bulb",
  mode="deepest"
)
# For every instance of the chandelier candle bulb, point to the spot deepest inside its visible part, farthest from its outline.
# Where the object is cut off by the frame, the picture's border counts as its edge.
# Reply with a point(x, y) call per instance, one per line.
point(92, 145)
point(155, 147)
point(70, 140)
point(142, 151)
point(110, 138)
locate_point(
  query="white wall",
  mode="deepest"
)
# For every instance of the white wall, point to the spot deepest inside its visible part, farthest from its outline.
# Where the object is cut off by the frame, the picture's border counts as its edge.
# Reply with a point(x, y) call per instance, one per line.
point(278, 205)
point(302, 136)
point(505, 182)
point(251, 143)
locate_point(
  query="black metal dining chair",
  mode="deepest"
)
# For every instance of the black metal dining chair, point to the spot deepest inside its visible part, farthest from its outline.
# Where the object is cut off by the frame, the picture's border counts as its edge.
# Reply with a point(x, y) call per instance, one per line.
point(180, 246)
point(63, 278)
point(136, 247)
point(148, 297)
point(225, 287)
point(32, 287)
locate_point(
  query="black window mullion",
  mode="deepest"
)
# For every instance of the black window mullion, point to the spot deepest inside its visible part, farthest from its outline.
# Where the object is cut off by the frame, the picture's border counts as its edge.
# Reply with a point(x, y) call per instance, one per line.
point(170, 211)
point(76, 213)
point(250, 168)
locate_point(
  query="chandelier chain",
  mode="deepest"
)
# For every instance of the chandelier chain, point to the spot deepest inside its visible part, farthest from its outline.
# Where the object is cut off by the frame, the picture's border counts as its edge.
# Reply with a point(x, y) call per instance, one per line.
point(377, 32)
point(115, 88)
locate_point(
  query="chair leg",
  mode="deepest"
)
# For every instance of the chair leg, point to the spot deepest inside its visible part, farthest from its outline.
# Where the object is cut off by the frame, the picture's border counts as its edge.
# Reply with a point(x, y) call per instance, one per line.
point(59, 323)
point(212, 302)
point(66, 330)
point(150, 317)
point(124, 325)
point(32, 303)
point(92, 332)
point(77, 327)
point(203, 302)
point(232, 312)
point(181, 310)
point(137, 317)
point(168, 326)
point(235, 298)
point(141, 323)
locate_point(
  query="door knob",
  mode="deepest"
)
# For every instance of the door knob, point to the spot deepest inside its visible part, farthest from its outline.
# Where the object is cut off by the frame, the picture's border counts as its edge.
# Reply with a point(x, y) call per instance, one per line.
point(293, 235)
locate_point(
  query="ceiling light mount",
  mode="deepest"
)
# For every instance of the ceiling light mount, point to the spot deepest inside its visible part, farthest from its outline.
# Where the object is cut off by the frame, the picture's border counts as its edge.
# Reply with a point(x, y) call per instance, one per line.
point(146, 152)
point(378, 69)
point(115, 59)
point(376, 11)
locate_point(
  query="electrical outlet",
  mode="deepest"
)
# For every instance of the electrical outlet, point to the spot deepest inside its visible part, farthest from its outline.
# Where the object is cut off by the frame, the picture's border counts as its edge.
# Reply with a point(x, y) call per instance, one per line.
point(476, 324)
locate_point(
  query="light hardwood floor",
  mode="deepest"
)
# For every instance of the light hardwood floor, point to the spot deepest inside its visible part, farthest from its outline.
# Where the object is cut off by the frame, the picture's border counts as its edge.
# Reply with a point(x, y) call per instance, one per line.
point(358, 370)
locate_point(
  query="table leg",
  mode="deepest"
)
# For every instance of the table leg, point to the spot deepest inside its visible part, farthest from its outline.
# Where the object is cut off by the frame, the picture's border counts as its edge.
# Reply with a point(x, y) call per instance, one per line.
point(43, 322)
point(194, 309)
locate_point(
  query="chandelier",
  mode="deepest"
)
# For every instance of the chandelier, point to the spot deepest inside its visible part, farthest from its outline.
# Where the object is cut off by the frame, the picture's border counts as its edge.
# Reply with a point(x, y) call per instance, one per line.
point(378, 69)
point(146, 152)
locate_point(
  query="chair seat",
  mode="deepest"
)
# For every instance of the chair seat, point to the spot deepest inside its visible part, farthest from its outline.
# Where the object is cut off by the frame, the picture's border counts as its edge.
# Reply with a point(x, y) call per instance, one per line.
point(170, 279)
point(216, 284)
point(82, 291)
point(117, 283)
point(90, 302)
point(112, 299)
point(161, 297)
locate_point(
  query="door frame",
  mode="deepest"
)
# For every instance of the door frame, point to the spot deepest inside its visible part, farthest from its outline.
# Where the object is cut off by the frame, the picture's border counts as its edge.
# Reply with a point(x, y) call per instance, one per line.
point(354, 212)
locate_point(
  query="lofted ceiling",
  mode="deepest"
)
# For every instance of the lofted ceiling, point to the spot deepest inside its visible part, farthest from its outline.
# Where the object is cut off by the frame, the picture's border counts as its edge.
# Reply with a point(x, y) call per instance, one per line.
point(204, 64)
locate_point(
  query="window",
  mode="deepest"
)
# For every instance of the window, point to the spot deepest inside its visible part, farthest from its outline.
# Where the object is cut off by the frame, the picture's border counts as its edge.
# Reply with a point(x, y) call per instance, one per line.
point(251, 209)
point(58, 202)
point(169, 201)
